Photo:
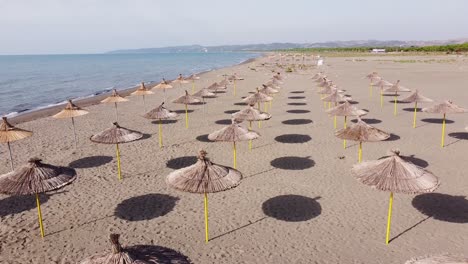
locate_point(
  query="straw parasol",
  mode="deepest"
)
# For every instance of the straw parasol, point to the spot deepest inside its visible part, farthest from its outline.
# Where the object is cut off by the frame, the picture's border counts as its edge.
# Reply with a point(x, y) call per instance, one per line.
point(439, 259)
point(250, 114)
point(233, 133)
point(142, 91)
point(268, 90)
point(345, 109)
point(396, 175)
point(180, 80)
point(163, 85)
point(373, 77)
point(9, 133)
point(115, 98)
point(257, 98)
point(233, 78)
point(116, 135)
point(446, 107)
point(186, 100)
point(71, 111)
point(215, 87)
point(192, 78)
point(204, 177)
point(415, 97)
point(36, 177)
point(160, 113)
point(395, 89)
point(138, 254)
point(382, 84)
point(361, 132)
point(335, 97)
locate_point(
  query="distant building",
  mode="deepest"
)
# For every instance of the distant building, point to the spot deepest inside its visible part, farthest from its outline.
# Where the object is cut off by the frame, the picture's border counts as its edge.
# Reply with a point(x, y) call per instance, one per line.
point(378, 51)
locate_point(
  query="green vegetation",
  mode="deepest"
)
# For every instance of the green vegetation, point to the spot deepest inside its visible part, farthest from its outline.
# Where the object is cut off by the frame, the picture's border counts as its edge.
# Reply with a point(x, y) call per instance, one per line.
point(455, 48)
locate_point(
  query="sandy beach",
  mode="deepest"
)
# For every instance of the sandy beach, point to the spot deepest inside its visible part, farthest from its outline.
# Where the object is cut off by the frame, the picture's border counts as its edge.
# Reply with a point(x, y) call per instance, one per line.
point(298, 201)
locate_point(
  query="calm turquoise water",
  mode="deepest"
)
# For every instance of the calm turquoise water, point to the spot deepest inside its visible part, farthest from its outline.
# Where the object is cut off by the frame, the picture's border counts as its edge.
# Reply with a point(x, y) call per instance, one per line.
point(32, 81)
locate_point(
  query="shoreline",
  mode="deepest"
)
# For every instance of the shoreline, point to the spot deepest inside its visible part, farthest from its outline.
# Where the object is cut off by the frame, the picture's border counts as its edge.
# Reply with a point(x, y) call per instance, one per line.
point(46, 111)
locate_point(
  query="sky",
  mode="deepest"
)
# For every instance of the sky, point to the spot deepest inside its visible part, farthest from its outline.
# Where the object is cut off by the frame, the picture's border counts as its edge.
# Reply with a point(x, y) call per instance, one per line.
point(94, 26)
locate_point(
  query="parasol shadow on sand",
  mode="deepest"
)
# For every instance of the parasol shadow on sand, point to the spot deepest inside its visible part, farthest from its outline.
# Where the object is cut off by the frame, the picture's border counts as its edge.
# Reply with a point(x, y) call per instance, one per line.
point(297, 121)
point(148, 254)
point(36, 177)
point(458, 136)
point(293, 138)
point(297, 104)
point(10, 133)
point(298, 111)
point(203, 138)
point(71, 111)
point(181, 162)
point(12, 205)
point(395, 175)
point(223, 122)
point(292, 208)
point(116, 135)
point(231, 111)
point(90, 162)
point(292, 163)
point(443, 207)
point(145, 207)
point(204, 177)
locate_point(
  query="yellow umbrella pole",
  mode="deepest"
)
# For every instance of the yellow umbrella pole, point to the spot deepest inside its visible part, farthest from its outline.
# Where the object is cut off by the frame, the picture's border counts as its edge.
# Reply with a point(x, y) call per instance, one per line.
point(389, 220)
point(39, 215)
point(160, 133)
point(250, 141)
point(118, 161)
point(206, 218)
point(116, 113)
point(370, 90)
point(360, 152)
point(329, 105)
point(334, 122)
point(414, 116)
point(186, 116)
point(344, 140)
point(265, 108)
point(395, 106)
point(381, 98)
point(443, 132)
point(259, 121)
point(235, 155)
point(11, 156)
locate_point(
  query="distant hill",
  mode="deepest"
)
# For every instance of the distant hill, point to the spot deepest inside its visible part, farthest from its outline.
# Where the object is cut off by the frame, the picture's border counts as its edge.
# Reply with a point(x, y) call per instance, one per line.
point(282, 46)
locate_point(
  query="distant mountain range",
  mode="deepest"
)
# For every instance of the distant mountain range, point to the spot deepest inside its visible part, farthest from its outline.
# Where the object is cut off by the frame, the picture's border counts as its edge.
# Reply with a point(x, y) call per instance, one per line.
point(278, 46)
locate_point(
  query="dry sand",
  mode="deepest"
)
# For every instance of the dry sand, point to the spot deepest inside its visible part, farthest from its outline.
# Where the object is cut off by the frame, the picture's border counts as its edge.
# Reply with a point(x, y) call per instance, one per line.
point(298, 202)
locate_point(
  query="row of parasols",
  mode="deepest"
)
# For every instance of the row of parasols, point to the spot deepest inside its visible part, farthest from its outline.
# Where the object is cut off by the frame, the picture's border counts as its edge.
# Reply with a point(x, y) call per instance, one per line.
point(36, 177)
point(394, 173)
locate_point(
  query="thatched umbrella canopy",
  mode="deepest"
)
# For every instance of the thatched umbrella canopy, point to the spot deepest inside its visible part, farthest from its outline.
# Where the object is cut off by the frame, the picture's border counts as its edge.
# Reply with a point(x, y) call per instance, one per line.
point(71, 111)
point(204, 177)
point(415, 97)
point(9, 133)
point(396, 175)
point(345, 109)
point(186, 100)
point(116, 135)
point(36, 177)
point(204, 93)
point(439, 259)
point(335, 97)
point(268, 90)
point(233, 133)
point(257, 98)
point(361, 132)
point(138, 254)
point(382, 84)
point(215, 87)
point(446, 107)
point(160, 113)
point(142, 91)
point(115, 98)
point(373, 78)
point(273, 83)
point(395, 89)
point(234, 78)
point(163, 85)
point(180, 80)
point(250, 114)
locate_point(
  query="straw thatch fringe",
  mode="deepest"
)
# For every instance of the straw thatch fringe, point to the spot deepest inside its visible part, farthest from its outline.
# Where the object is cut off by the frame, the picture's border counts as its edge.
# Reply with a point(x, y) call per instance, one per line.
point(416, 97)
point(233, 133)
point(362, 132)
point(163, 85)
point(250, 114)
point(71, 110)
point(142, 90)
point(116, 135)
point(395, 175)
point(187, 99)
point(204, 177)
point(446, 107)
point(397, 88)
point(35, 177)
point(346, 109)
point(257, 97)
point(160, 112)
point(9, 133)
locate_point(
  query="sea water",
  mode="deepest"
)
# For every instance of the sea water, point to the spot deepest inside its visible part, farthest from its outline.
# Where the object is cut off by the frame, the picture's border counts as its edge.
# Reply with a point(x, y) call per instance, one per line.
point(28, 82)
